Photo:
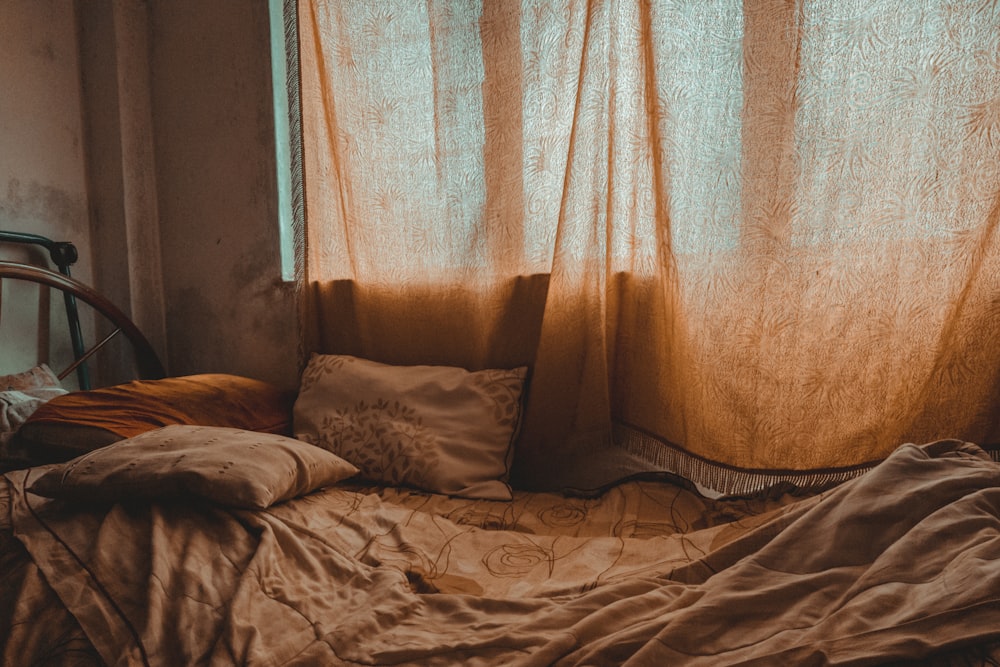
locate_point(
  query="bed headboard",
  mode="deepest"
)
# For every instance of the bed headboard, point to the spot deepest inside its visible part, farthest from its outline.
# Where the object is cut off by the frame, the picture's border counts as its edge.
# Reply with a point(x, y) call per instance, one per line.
point(63, 254)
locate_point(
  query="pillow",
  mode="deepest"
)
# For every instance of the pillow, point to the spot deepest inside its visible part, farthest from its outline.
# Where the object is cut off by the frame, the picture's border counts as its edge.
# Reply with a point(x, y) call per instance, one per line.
point(21, 394)
point(227, 466)
point(16, 405)
point(70, 425)
point(438, 428)
point(39, 377)
point(15, 408)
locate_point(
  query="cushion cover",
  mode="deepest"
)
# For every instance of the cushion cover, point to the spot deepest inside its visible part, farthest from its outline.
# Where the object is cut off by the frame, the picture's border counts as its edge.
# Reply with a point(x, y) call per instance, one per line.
point(39, 377)
point(438, 428)
point(227, 466)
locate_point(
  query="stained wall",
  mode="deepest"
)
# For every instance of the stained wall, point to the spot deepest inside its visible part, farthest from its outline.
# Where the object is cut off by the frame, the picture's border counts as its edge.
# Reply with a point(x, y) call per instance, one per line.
point(143, 131)
point(226, 306)
point(42, 167)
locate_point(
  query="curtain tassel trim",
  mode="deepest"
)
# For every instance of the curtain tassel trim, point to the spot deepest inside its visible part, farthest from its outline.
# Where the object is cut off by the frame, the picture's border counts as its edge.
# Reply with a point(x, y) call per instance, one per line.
point(717, 479)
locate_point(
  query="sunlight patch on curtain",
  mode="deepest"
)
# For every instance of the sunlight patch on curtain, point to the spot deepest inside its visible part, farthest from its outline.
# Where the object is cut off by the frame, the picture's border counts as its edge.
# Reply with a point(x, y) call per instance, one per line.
point(726, 235)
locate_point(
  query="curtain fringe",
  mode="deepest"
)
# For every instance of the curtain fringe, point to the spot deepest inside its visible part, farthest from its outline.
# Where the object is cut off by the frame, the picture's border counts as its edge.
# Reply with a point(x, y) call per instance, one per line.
point(716, 479)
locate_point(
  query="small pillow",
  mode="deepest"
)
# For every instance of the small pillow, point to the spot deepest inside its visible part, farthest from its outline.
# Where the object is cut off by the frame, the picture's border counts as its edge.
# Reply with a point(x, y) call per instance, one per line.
point(16, 405)
point(39, 377)
point(438, 428)
point(227, 466)
point(81, 421)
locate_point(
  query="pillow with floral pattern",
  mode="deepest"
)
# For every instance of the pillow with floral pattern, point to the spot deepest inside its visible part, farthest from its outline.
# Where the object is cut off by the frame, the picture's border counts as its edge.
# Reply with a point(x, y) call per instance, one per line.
point(438, 428)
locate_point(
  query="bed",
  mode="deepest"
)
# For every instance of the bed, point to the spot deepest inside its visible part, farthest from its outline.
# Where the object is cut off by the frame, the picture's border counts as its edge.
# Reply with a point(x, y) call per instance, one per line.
point(365, 519)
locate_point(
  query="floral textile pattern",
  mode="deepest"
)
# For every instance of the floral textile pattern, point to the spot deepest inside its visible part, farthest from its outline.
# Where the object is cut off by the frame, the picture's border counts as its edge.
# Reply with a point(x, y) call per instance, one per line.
point(518, 559)
point(385, 439)
point(437, 428)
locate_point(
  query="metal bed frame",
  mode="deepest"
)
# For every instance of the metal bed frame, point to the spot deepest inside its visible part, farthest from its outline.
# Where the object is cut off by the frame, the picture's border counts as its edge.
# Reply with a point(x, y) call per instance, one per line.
point(63, 254)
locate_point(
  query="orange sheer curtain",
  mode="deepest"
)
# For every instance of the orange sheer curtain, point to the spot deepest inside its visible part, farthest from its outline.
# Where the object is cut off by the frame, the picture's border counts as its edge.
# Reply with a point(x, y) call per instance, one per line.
point(742, 241)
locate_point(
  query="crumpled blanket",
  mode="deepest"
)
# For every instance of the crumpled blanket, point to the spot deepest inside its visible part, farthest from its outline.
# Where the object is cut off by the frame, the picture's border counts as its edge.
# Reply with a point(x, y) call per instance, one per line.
point(901, 564)
point(16, 405)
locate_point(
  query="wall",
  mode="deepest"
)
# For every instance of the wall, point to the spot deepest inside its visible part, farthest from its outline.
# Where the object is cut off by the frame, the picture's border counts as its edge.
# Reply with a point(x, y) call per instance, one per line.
point(42, 167)
point(168, 181)
point(226, 306)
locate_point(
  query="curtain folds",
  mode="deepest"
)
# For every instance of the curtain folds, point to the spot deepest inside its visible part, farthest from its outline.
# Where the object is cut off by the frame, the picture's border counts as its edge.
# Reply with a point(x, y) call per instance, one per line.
point(741, 241)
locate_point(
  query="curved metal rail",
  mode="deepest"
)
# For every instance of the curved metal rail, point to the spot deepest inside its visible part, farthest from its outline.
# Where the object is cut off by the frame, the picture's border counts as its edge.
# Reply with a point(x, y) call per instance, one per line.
point(62, 254)
point(147, 362)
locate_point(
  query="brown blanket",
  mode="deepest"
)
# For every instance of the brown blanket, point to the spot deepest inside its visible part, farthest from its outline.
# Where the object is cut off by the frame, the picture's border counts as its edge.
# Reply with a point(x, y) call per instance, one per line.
point(901, 564)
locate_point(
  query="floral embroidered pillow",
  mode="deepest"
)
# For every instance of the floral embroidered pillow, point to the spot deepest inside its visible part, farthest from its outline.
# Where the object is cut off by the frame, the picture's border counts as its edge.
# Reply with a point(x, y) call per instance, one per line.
point(438, 428)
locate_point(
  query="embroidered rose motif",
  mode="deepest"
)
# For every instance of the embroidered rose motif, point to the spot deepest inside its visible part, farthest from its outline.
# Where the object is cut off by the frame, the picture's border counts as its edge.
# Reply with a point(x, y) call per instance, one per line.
point(562, 516)
point(517, 560)
point(481, 518)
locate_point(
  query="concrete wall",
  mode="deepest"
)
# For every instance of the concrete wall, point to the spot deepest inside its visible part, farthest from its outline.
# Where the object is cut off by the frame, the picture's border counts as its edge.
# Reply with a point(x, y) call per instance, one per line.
point(143, 131)
point(42, 167)
point(227, 309)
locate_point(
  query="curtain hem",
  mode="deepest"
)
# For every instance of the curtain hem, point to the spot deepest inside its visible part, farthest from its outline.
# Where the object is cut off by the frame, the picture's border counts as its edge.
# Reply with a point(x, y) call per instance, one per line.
point(715, 479)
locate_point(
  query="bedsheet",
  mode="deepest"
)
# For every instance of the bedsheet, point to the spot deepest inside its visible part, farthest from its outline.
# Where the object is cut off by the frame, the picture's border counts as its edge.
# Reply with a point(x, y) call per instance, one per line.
point(901, 565)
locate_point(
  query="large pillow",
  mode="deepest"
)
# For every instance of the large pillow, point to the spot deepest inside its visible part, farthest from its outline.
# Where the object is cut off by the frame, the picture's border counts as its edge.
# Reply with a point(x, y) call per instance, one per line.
point(438, 428)
point(226, 466)
point(81, 421)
